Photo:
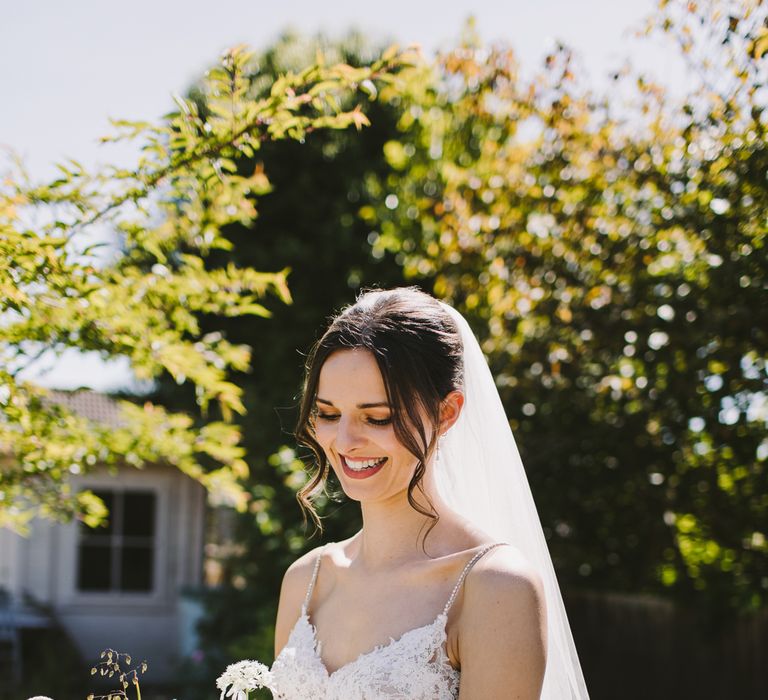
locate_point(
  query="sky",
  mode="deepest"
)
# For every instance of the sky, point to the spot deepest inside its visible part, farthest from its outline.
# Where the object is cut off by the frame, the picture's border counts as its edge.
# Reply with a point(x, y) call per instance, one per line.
point(67, 67)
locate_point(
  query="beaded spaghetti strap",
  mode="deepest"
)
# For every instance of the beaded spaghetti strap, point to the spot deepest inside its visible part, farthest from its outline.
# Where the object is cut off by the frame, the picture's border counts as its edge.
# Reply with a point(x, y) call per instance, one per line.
point(464, 573)
point(314, 578)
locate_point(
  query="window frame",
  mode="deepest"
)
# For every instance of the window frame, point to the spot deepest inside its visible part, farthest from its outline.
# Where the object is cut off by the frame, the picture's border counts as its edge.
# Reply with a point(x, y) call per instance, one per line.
point(67, 565)
point(116, 541)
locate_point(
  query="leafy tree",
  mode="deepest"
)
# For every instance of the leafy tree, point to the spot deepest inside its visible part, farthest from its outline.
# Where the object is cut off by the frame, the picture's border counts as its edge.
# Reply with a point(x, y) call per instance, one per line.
point(614, 268)
point(555, 222)
point(170, 210)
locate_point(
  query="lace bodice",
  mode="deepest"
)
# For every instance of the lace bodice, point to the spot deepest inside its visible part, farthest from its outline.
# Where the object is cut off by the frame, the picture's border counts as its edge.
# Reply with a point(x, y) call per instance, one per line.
point(414, 666)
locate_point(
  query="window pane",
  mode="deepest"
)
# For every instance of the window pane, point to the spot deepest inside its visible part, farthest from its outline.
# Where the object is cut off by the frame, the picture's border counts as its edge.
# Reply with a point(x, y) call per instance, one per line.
point(139, 514)
point(136, 568)
point(106, 529)
point(94, 571)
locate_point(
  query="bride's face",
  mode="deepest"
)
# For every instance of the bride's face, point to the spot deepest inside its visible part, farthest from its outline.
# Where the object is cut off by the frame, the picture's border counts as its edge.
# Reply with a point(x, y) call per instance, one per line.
point(354, 427)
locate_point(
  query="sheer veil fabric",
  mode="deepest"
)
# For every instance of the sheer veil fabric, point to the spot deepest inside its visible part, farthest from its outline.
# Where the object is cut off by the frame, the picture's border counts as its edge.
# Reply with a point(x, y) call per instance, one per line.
point(481, 476)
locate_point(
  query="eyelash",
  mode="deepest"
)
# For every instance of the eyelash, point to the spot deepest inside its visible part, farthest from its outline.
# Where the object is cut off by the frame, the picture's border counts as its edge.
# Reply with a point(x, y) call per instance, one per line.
point(372, 421)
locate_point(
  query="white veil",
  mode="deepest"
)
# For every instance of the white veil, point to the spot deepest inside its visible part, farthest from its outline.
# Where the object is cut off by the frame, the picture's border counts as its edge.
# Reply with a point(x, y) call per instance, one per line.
point(481, 476)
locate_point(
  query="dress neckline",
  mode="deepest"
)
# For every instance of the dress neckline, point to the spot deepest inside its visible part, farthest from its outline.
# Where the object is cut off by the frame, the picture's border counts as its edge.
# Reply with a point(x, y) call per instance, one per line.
point(441, 618)
point(438, 622)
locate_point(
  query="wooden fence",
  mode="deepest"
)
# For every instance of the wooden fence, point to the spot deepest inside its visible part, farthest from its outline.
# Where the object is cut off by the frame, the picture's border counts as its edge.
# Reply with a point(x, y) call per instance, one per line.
point(641, 648)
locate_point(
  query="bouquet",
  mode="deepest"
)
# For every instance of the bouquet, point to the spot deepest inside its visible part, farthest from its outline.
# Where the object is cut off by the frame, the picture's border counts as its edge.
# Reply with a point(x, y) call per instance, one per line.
point(243, 677)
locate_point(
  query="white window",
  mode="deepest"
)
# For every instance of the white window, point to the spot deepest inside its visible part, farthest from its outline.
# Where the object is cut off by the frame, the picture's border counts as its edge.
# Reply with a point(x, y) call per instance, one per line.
point(120, 557)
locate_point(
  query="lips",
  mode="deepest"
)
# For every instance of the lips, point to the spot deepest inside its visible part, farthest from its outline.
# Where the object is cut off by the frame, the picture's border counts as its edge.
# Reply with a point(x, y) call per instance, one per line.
point(363, 474)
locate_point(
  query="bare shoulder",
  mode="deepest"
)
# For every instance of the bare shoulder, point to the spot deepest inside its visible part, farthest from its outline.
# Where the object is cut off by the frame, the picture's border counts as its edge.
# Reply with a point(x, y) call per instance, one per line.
point(504, 573)
point(502, 630)
point(503, 585)
point(292, 593)
point(300, 572)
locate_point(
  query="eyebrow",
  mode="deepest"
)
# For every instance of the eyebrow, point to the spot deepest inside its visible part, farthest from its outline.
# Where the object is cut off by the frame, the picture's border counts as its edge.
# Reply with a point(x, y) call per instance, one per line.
point(378, 404)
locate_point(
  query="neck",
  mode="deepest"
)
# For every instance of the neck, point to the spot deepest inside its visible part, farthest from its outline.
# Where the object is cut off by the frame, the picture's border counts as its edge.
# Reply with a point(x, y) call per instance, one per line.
point(393, 530)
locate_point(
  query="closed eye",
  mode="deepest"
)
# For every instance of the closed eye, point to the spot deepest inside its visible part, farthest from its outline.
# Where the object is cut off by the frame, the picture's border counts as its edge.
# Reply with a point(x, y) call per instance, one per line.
point(330, 417)
point(326, 416)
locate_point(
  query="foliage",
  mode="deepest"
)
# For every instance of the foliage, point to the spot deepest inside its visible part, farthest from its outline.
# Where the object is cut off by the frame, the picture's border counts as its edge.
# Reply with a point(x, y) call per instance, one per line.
point(614, 266)
point(169, 210)
point(111, 664)
point(582, 239)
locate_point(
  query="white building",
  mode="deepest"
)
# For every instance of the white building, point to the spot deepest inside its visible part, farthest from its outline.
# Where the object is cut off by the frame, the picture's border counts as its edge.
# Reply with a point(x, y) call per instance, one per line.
point(120, 586)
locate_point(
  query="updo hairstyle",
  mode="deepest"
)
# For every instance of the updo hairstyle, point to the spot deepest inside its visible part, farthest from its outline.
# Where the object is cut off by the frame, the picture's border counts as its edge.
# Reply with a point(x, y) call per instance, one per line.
point(418, 349)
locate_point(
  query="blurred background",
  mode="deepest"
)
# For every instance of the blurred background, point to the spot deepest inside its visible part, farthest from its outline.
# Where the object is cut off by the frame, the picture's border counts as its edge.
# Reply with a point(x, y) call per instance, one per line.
point(586, 182)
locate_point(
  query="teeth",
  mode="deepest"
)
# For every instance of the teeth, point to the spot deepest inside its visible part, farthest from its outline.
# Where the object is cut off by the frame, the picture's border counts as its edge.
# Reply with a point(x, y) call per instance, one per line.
point(360, 464)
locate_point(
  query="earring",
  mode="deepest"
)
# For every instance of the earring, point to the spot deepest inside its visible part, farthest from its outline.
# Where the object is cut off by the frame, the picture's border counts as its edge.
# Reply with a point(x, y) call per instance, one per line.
point(437, 448)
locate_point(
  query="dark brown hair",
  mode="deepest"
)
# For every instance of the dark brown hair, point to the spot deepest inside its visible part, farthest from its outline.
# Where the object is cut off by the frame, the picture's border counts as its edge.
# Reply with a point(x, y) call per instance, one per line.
point(418, 350)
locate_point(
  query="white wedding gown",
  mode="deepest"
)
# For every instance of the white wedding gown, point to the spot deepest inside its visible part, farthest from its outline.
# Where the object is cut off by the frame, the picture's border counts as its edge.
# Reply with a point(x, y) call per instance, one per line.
point(414, 666)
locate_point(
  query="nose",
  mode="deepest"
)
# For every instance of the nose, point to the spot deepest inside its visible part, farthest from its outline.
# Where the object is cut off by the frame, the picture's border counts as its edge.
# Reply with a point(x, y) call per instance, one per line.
point(348, 435)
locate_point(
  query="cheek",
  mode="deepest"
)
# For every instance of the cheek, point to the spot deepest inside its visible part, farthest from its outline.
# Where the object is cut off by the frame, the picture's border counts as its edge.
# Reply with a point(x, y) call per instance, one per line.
point(398, 451)
point(324, 432)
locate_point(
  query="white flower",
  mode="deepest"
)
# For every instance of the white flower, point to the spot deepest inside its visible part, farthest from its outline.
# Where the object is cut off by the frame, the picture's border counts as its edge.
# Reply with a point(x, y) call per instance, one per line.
point(243, 676)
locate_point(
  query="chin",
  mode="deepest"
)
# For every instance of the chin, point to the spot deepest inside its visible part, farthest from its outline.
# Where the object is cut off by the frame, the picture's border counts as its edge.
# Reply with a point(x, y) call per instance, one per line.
point(372, 490)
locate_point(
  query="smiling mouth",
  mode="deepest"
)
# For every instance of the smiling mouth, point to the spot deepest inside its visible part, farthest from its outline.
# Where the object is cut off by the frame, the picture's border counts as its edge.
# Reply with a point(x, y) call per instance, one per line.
point(357, 469)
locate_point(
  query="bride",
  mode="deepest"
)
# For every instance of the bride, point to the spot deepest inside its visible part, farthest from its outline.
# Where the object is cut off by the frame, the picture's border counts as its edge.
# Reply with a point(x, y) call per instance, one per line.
point(448, 590)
